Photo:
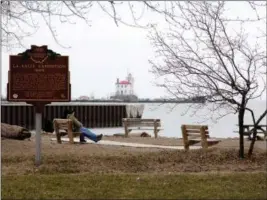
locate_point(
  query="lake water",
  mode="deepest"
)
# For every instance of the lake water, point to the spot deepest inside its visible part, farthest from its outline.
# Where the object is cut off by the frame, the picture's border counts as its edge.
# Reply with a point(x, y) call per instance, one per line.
point(173, 117)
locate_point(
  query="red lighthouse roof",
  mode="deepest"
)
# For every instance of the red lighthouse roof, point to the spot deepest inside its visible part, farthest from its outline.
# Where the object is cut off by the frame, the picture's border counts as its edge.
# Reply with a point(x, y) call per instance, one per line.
point(124, 82)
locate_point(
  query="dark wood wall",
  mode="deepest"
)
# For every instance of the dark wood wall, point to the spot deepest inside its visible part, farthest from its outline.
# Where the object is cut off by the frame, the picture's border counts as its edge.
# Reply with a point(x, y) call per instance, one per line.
point(92, 116)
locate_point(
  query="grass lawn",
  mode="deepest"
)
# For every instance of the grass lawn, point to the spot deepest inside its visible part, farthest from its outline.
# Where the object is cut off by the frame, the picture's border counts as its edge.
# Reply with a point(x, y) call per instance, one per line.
point(108, 172)
point(160, 186)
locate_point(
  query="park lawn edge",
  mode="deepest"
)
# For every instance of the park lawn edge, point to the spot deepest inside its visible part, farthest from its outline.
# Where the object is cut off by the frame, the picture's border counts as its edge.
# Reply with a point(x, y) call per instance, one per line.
point(129, 185)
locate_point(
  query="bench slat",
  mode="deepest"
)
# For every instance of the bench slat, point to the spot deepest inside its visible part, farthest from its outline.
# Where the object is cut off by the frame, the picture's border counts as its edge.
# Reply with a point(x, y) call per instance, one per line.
point(62, 126)
point(208, 140)
point(195, 126)
point(193, 131)
point(143, 128)
point(142, 125)
point(196, 134)
point(139, 120)
point(248, 133)
point(196, 131)
point(195, 139)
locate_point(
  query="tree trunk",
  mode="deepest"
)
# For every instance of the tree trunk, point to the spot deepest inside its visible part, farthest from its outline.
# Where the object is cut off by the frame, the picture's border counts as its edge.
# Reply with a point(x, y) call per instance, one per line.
point(14, 132)
point(251, 147)
point(241, 131)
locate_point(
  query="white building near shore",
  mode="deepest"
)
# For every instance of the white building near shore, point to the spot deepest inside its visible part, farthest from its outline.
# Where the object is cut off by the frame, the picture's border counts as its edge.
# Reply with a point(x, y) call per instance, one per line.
point(125, 87)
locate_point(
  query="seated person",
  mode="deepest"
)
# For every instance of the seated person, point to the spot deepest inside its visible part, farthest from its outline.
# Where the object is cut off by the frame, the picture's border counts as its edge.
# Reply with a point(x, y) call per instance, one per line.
point(78, 127)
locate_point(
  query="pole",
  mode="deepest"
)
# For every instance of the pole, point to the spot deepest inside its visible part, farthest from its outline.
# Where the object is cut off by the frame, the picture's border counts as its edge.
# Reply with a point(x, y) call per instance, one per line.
point(38, 129)
point(39, 109)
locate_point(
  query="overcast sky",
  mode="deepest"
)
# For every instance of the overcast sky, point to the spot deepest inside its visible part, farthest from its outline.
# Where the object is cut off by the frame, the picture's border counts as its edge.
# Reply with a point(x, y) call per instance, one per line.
point(99, 54)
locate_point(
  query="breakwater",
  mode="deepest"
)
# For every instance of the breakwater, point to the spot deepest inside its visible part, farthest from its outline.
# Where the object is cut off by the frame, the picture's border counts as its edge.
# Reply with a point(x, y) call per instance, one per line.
point(91, 115)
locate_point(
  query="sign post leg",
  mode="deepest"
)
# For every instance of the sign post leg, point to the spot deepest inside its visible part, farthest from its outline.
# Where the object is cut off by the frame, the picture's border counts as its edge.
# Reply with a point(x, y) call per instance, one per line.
point(39, 108)
point(38, 129)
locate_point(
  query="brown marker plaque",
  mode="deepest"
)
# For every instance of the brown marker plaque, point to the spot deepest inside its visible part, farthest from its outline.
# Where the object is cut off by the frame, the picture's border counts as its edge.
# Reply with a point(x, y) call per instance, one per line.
point(39, 75)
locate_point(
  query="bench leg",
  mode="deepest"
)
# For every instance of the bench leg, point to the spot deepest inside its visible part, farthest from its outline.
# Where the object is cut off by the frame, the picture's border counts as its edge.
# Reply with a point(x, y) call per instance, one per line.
point(71, 138)
point(185, 138)
point(126, 128)
point(204, 142)
point(57, 133)
point(155, 129)
point(58, 137)
point(70, 134)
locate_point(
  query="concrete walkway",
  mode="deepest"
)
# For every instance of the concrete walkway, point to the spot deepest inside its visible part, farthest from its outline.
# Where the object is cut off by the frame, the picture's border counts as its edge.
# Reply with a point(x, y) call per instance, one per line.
point(128, 144)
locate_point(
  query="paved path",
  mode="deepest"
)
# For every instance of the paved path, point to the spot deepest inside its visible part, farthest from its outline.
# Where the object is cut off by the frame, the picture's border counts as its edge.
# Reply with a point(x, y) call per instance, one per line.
point(128, 144)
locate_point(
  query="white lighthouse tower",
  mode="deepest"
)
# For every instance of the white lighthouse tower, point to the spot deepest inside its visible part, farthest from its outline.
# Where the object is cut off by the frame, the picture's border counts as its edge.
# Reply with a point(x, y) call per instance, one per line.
point(131, 85)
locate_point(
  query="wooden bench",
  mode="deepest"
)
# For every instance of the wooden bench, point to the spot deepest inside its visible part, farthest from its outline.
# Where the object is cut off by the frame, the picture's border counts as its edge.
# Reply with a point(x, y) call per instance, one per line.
point(249, 128)
point(65, 124)
point(141, 124)
point(246, 133)
point(193, 134)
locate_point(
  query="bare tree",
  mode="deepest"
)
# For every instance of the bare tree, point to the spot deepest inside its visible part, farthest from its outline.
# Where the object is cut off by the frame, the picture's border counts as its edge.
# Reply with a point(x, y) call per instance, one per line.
point(200, 55)
point(21, 19)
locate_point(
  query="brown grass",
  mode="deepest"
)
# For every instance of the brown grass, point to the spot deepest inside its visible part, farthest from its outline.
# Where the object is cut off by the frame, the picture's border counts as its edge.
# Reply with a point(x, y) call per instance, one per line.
point(162, 161)
point(102, 171)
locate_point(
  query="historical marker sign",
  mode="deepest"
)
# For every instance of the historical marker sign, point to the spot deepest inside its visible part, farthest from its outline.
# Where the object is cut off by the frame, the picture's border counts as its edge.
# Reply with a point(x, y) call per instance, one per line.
point(39, 75)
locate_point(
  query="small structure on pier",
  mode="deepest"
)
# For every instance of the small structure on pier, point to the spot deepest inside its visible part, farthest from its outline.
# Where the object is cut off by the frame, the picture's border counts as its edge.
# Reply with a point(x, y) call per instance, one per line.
point(124, 89)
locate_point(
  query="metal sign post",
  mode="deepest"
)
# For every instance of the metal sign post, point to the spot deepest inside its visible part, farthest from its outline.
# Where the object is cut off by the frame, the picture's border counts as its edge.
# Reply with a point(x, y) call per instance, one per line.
point(39, 108)
point(38, 129)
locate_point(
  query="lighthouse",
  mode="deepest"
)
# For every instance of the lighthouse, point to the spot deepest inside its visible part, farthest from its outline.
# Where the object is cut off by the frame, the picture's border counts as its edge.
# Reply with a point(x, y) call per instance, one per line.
point(125, 87)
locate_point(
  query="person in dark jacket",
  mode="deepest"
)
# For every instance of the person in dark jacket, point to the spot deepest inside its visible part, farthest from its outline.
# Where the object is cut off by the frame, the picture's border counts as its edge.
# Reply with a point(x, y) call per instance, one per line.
point(78, 127)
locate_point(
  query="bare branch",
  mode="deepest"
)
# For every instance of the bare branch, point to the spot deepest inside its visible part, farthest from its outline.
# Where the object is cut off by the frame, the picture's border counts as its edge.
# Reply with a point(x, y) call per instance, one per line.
point(198, 56)
point(23, 15)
